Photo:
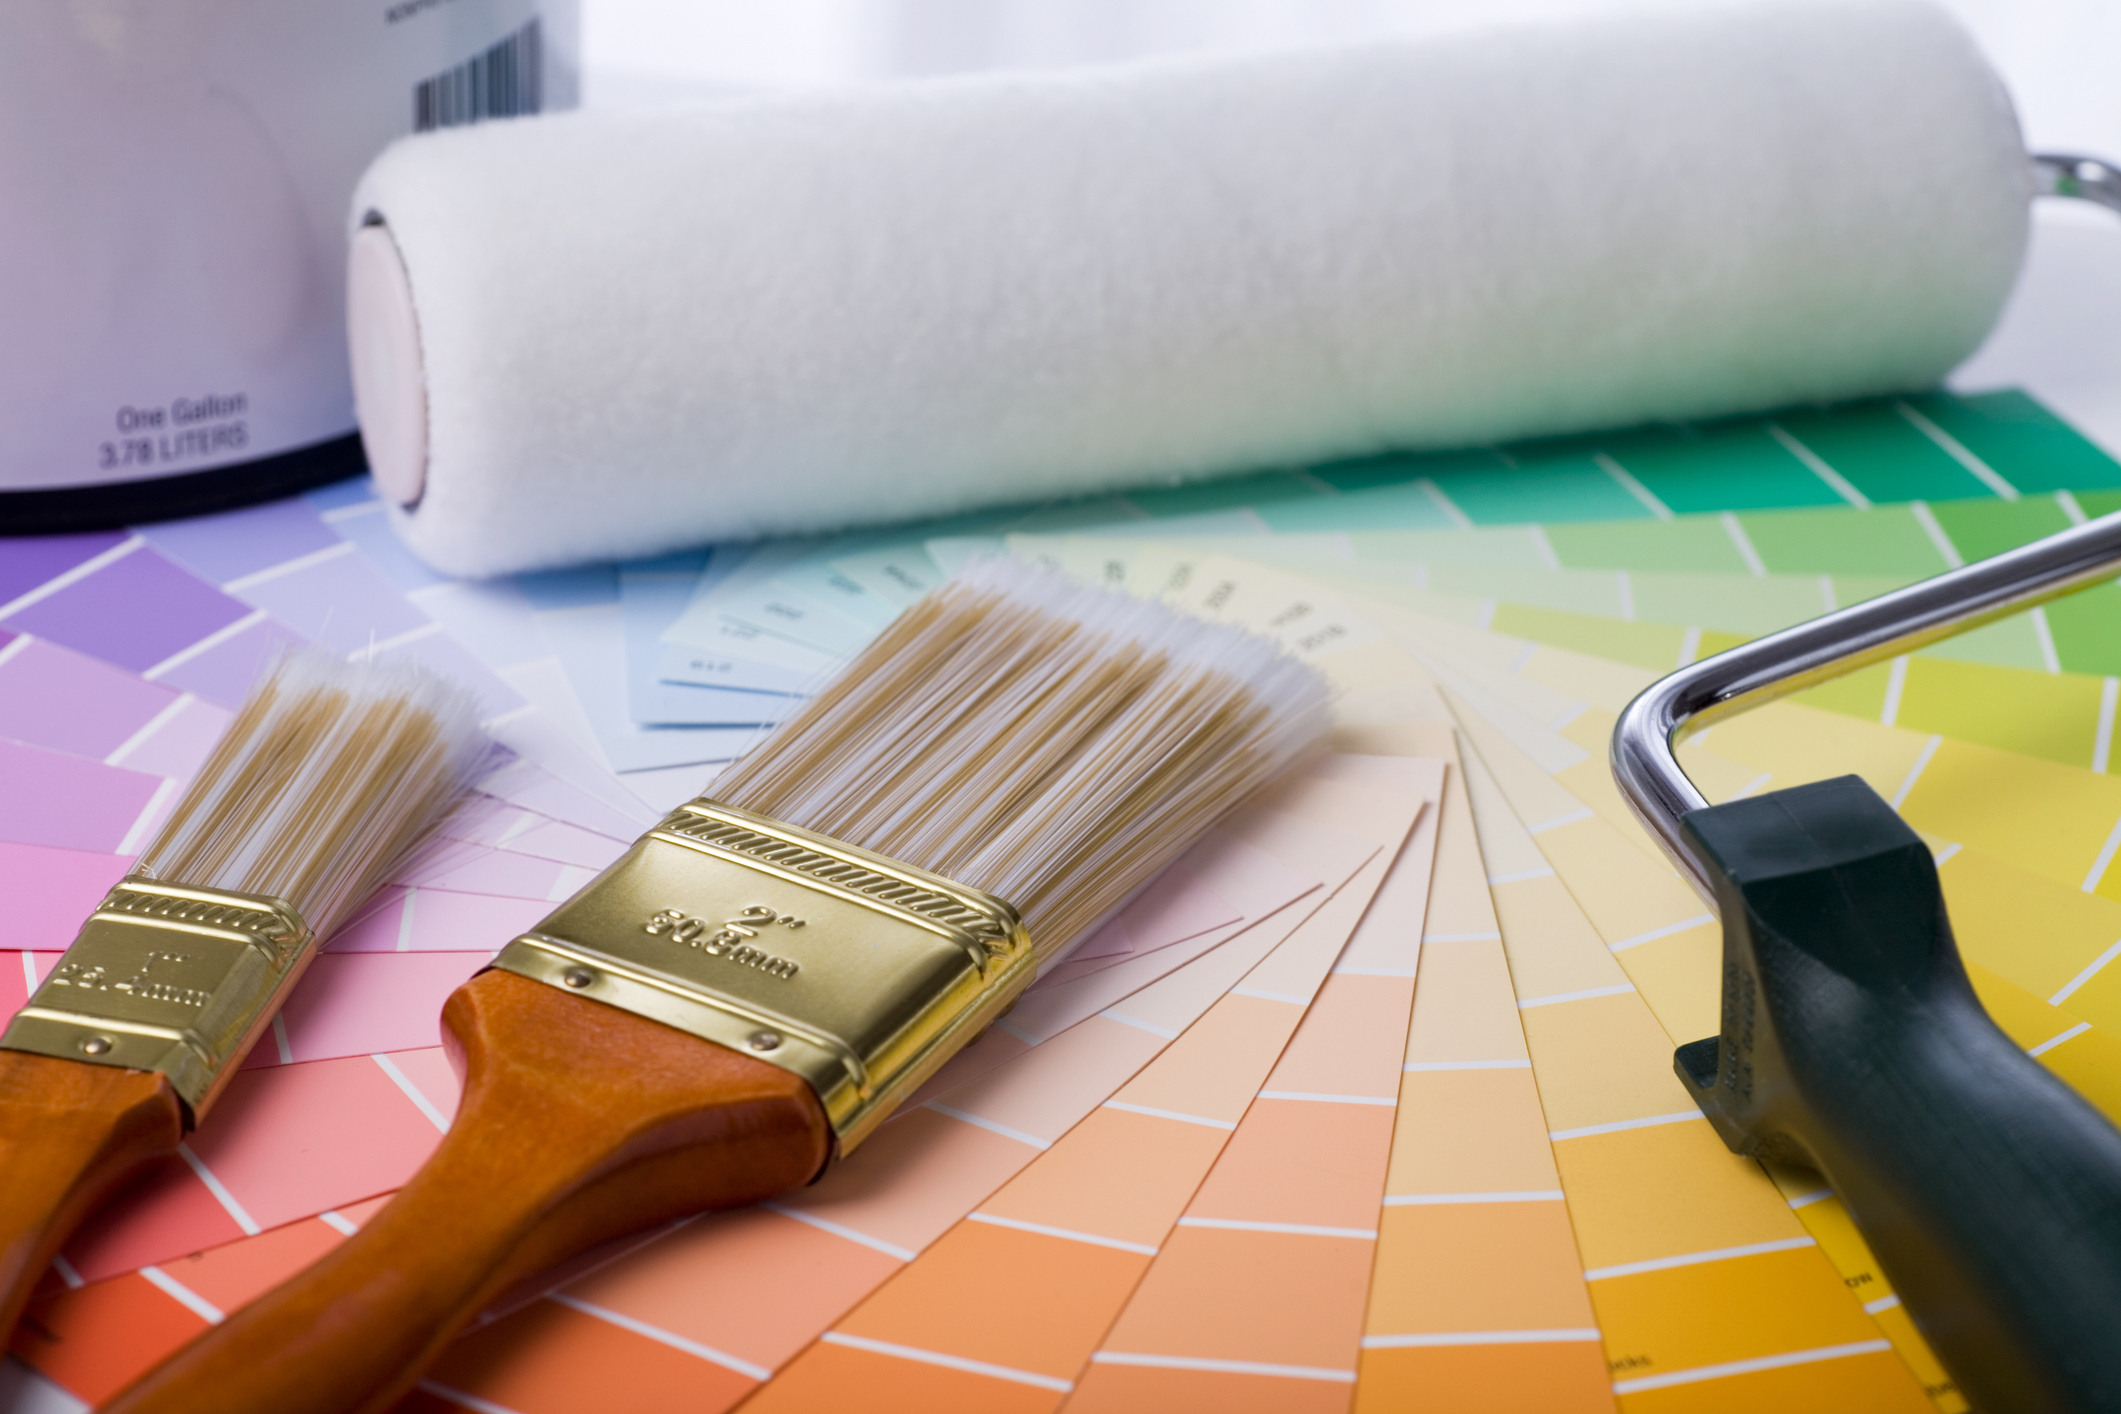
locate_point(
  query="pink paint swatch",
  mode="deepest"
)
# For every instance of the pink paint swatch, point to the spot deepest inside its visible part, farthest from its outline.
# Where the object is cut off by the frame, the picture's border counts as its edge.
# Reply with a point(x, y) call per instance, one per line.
point(436, 920)
point(360, 1003)
point(50, 891)
point(20, 972)
point(282, 1143)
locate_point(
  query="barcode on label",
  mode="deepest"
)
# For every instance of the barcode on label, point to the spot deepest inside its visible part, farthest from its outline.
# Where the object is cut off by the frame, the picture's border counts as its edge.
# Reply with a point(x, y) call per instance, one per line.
point(505, 81)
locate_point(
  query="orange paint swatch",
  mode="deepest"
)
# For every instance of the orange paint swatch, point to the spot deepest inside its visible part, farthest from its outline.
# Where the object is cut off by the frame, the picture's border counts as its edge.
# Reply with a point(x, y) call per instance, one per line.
point(1061, 1246)
point(1477, 1300)
point(813, 1254)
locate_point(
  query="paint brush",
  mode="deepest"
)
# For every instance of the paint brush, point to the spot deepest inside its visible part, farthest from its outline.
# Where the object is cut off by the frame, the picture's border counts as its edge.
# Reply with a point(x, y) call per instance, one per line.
point(327, 776)
point(745, 995)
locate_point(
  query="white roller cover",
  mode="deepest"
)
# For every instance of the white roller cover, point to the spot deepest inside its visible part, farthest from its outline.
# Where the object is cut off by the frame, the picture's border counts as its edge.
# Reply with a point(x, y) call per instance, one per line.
point(642, 331)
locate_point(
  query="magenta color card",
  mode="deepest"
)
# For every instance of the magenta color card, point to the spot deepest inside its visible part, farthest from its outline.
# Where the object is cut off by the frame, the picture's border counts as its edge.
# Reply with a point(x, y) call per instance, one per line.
point(20, 975)
point(50, 891)
point(359, 1003)
point(48, 798)
point(29, 562)
point(224, 672)
point(135, 612)
point(435, 920)
point(285, 1143)
point(67, 701)
point(181, 742)
point(219, 548)
point(340, 601)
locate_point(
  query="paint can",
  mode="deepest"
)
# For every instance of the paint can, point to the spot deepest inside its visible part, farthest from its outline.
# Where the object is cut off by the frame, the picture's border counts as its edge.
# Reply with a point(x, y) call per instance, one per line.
point(174, 177)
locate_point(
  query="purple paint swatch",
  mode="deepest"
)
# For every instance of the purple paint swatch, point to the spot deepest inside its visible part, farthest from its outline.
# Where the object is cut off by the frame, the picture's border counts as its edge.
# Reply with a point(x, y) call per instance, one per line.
point(181, 744)
point(51, 799)
point(54, 697)
point(133, 612)
point(224, 672)
point(439, 921)
point(341, 602)
point(27, 563)
point(223, 547)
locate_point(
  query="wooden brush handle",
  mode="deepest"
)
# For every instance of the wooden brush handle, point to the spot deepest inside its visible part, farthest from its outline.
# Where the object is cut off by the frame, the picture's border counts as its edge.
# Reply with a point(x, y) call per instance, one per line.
point(70, 1134)
point(579, 1122)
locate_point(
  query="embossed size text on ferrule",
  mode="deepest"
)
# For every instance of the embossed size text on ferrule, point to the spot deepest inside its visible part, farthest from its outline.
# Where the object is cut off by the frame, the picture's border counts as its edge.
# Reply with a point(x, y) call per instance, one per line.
point(731, 938)
point(93, 978)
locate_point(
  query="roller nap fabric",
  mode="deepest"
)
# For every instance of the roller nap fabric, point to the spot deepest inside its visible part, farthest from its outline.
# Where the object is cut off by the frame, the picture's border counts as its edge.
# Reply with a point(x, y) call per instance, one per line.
point(631, 332)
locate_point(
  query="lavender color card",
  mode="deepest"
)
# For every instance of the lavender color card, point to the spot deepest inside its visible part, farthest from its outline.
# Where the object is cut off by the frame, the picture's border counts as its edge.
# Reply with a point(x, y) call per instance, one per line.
point(53, 799)
point(233, 544)
point(66, 701)
point(136, 610)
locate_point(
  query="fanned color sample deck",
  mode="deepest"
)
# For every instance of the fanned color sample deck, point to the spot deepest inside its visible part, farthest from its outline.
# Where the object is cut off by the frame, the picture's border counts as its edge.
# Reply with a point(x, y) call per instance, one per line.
point(1367, 1106)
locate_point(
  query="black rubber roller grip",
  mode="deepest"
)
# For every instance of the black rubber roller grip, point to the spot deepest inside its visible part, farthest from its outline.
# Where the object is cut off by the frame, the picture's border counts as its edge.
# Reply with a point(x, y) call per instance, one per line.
point(1989, 1191)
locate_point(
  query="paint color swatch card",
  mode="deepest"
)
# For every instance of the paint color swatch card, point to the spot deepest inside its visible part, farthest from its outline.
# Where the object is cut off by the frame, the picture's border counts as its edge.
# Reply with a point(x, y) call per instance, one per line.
point(1667, 947)
point(899, 1193)
point(1666, 1222)
point(1366, 1104)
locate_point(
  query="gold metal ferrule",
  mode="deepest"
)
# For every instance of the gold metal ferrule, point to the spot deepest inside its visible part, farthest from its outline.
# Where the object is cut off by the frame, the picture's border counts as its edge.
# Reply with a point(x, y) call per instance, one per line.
point(168, 978)
point(858, 973)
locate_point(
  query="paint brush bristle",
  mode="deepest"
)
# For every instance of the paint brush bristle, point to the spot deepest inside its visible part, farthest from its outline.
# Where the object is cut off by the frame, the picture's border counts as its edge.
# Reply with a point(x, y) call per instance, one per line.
point(329, 774)
point(1048, 742)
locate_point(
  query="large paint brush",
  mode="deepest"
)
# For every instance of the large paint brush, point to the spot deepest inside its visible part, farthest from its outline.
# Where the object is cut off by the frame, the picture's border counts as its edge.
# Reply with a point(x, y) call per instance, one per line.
point(328, 774)
point(746, 995)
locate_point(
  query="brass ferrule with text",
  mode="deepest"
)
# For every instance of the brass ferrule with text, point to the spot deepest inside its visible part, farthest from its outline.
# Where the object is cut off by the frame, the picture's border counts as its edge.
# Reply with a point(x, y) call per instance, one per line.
point(858, 973)
point(168, 978)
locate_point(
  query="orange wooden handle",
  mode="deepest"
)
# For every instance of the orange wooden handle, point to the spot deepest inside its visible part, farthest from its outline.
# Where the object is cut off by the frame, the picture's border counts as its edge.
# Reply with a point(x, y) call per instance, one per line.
point(70, 1134)
point(579, 1122)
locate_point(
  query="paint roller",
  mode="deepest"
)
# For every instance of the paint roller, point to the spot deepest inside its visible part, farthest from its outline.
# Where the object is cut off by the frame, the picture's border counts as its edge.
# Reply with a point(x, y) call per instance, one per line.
point(604, 335)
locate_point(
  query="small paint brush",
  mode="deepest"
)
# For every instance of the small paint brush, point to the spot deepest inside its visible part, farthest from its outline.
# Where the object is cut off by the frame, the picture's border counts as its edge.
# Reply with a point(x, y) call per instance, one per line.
point(326, 777)
point(748, 992)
